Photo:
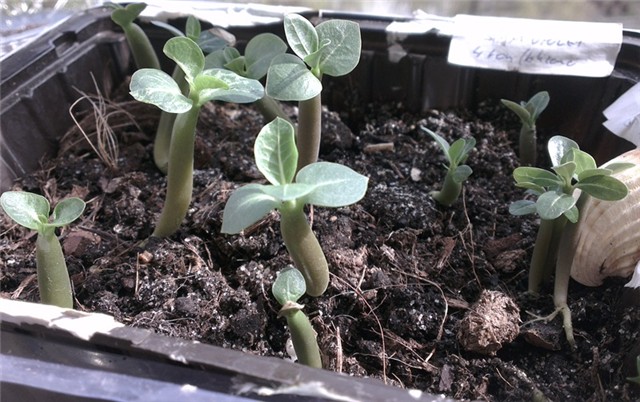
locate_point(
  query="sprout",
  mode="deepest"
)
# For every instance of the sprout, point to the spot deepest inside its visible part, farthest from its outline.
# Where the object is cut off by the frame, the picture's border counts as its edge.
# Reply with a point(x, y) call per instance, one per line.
point(32, 211)
point(457, 173)
point(323, 184)
point(332, 48)
point(288, 287)
point(141, 48)
point(158, 88)
point(528, 112)
point(557, 204)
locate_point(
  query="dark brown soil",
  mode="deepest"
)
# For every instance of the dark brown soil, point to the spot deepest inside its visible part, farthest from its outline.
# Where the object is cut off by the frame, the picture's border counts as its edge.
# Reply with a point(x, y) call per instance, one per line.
point(405, 271)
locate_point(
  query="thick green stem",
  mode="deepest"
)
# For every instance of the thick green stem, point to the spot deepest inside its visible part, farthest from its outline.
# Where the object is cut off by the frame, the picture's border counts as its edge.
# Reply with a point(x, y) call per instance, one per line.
point(554, 244)
point(303, 335)
point(450, 191)
point(304, 248)
point(539, 258)
point(53, 277)
point(141, 48)
point(162, 141)
point(528, 146)
point(309, 131)
point(270, 108)
point(180, 174)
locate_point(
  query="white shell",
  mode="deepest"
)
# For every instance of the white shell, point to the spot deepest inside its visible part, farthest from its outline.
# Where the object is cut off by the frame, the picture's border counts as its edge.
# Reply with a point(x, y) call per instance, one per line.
point(607, 241)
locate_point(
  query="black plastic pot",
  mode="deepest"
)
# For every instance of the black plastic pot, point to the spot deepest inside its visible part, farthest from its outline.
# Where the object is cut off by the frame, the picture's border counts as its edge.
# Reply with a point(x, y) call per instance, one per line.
point(47, 354)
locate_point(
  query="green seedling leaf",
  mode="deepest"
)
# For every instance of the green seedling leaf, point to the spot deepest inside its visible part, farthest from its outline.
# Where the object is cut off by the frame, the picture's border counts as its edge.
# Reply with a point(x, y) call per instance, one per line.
point(276, 153)
point(522, 207)
point(156, 87)
point(192, 28)
point(617, 167)
point(522, 113)
point(461, 173)
point(565, 171)
point(335, 185)
point(67, 211)
point(537, 104)
point(459, 150)
point(301, 35)
point(187, 54)
point(444, 145)
point(342, 44)
point(246, 206)
point(537, 176)
point(594, 172)
point(289, 79)
point(215, 39)
point(583, 160)
point(237, 89)
point(532, 187)
point(259, 53)
point(573, 214)
point(205, 81)
point(126, 15)
point(27, 209)
point(551, 204)
point(289, 285)
point(558, 147)
point(606, 188)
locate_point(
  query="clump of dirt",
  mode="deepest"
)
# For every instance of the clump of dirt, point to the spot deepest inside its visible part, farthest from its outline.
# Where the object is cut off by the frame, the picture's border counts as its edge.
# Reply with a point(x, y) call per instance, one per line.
point(404, 270)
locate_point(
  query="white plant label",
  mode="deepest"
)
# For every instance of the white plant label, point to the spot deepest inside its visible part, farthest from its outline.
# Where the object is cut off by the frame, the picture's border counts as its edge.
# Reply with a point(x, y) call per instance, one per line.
point(623, 117)
point(585, 49)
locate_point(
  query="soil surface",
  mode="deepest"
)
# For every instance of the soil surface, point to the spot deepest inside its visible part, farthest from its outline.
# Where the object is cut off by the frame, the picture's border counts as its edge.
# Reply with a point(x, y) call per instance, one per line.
point(421, 296)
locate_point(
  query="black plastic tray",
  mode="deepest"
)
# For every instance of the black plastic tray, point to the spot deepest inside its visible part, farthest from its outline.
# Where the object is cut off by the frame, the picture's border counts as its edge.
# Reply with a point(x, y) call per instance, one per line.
point(40, 82)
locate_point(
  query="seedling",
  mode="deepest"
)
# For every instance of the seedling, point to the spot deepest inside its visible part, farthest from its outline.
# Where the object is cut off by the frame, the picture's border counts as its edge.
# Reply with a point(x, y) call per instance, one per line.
point(528, 112)
point(288, 287)
point(558, 205)
point(141, 48)
point(457, 173)
point(158, 88)
point(32, 211)
point(208, 42)
point(333, 48)
point(258, 55)
point(323, 184)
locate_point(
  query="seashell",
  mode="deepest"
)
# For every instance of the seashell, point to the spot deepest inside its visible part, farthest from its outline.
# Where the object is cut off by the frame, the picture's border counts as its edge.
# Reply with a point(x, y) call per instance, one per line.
point(607, 240)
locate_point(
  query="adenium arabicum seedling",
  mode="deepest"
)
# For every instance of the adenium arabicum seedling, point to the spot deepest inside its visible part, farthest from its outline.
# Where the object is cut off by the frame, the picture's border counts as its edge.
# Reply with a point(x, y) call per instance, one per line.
point(158, 88)
point(208, 41)
point(332, 47)
point(557, 203)
point(323, 184)
point(32, 211)
point(456, 154)
point(288, 288)
point(528, 112)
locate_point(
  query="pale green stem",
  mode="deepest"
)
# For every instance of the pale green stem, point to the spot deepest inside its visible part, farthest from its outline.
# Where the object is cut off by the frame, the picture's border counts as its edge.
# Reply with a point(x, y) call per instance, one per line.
point(180, 174)
point(309, 131)
point(303, 335)
point(450, 191)
point(270, 108)
point(141, 48)
point(304, 248)
point(162, 141)
point(53, 277)
point(539, 258)
point(528, 146)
